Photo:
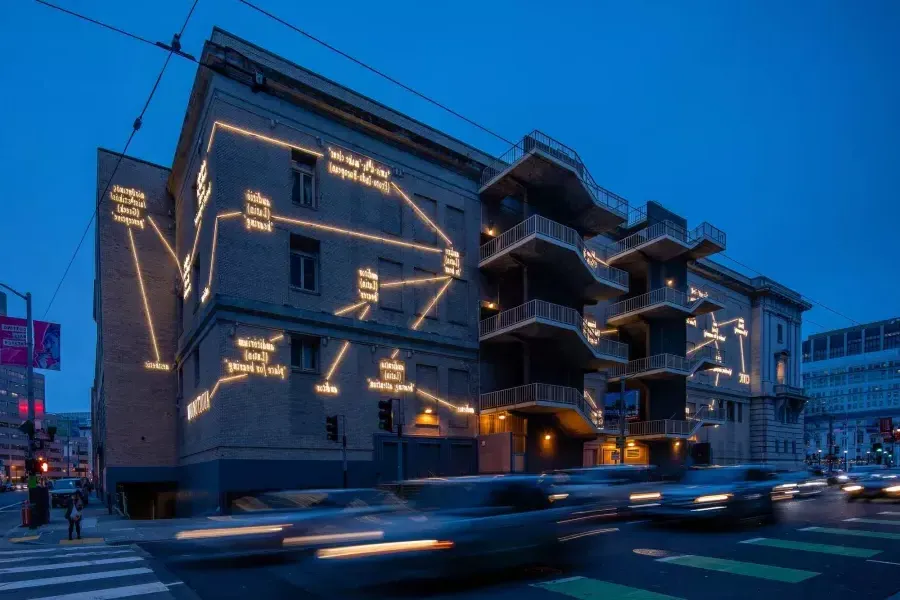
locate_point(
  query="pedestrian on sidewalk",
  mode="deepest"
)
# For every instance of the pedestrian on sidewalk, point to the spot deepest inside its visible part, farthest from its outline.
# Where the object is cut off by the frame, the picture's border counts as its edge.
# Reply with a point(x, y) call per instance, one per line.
point(73, 514)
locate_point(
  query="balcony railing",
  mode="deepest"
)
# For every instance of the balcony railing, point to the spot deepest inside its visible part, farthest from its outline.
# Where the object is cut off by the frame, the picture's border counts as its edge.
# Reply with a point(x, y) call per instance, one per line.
point(705, 414)
point(563, 315)
point(540, 225)
point(661, 427)
point(542, 392)
point(657, 362)
point(540, 141)
point(704, 231)
point(664, 295)
point(788, 390)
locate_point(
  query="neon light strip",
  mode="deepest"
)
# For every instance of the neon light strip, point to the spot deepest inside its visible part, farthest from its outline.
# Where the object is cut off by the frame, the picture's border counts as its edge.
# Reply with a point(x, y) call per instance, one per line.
point(395, 353)
point(258, 136)
point(347, 309)
point(430, 306)
point(366, 236)
point(225, 380)
point(729, 322)
point(589, 399)
point(422, 215)
point(236, 213)
point(212, 256)
point(365, 312)
point(277, 338)
point(605, 331)
point(137, 267)
point(196, 239)
point(165, 242)
point(433, 397)
point(695, 348)
point(416, 281)
point(743, 369)
point(337, 361)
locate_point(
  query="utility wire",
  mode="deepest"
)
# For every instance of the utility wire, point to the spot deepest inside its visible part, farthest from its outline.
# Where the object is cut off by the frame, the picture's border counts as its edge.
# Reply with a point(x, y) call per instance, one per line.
point(173, 48)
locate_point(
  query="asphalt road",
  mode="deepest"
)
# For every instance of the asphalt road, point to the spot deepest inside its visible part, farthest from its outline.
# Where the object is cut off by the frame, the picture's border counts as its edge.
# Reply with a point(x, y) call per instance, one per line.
point(10, 510)
point(818, 549)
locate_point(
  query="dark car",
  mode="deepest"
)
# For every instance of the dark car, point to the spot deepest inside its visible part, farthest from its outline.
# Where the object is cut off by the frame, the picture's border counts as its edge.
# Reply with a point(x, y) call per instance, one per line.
point(614, 490)
point(877, 484)
point(63, 490)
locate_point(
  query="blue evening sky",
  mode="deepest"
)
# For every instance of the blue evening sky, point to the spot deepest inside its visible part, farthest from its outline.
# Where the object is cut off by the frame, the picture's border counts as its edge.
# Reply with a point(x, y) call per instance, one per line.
point(776, 121)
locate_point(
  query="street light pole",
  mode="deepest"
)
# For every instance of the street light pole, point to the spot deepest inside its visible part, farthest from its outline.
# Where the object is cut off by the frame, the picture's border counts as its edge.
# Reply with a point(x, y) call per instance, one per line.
point(29, 368)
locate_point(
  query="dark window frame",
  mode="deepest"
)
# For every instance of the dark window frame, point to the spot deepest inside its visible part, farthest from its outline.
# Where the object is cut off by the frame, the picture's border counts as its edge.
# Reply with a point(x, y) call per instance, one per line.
point(305, 255)
point(306, 343)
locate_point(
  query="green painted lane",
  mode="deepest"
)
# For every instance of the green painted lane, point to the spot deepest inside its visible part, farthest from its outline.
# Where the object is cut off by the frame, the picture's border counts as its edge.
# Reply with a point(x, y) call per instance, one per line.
point(807, 547)
point(736, 567)
point(884, 535)
point(875, 521)
point(586, 588)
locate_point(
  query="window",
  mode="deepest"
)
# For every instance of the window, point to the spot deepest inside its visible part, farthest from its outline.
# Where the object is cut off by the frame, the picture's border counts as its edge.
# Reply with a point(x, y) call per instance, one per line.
point(195, 281)
point(303, 172)
point(458, 302)
point(458, 390)
point(181, 381)
point(873, 339)
point(391, 215)
point(422, 231)
point(304, 263)
point(388, 271)
point(455, 227)
point(780, 334)
point(196, 355)
point(740, 411)
point(730, 410)
point(305, 353)
point(427, 381)
point(424, 294)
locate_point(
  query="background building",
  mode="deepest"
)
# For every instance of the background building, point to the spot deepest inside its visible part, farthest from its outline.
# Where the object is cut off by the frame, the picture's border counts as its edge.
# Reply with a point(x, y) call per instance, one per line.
point(852, 377)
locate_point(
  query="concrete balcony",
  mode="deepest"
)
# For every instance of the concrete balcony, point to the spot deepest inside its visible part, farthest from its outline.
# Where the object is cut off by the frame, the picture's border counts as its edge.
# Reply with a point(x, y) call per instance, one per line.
point(539, 161)
point(658, 366)
point(574, 411)
point(705, 358)
point(708, 417)
point(666, 240)
point(664, 303)
point(662, 429)
point(540, 321)
point(540, 241)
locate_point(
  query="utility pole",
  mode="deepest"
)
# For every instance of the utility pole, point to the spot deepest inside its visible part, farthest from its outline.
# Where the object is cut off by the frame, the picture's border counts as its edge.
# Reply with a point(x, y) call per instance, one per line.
point(29, 369)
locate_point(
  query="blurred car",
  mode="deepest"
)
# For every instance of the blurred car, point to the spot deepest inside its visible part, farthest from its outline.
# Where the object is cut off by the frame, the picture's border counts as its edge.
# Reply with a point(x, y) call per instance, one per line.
point(20, 487)
point(614, 490)
point(456, 526)
point(797, 484)
point(62, 490)
point(734, 492)
point(877, 484)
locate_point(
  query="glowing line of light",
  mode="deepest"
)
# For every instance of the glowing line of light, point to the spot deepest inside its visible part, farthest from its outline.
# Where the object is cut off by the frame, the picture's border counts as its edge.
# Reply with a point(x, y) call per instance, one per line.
point(415, 281)
point(347, 309)
point(277, 338)
point(729, 322)
point(258, 136)
point(589, 399)
point(743, 369)
point(226, 380)
point(337, 361)
point(430, 306)
point(137, 267)
point(196, 239)
point(695, 348)
point(422, 215)
point(365, 312)
point(605, 331)
point(366, 236)
point(717, 379)
point(395, 353)
point(165, 242)
point(235, 213)
point(433, 397)
point(212, 255)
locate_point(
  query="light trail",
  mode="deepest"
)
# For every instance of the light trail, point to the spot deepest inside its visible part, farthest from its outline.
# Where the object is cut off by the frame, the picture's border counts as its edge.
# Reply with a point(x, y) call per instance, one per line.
point(415, 281)
point(431, 305)
point(225, 380)
point(137, 267)
point(346, 309)
point(165, 242)
point(337, 361)
point(258, 136)
point(359, 234)
point(422, 215)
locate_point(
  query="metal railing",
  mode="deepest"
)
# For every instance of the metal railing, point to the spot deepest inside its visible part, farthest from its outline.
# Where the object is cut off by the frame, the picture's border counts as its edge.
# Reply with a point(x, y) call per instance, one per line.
point(788, 390)
point(537, 224)
point(707, 414)
point(651, 363)
point(544, 143)
point(708, 353)
point(563, 315)
point(542, 392)
point(657, 296)
point(660, 427)
point(704, 231)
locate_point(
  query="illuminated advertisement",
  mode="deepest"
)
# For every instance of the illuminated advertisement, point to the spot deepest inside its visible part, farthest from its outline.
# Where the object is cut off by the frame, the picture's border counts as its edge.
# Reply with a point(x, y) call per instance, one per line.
point(14, 344)
point(611, 404)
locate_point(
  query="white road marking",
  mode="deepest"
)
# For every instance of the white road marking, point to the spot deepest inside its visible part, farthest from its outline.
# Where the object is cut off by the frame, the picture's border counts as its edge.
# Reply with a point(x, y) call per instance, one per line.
point(884, 562)
point(30, 583)
point(110, 593)
point(751, 541)
point(72, 549)
point(563, 580)
point(19, 504)
point(70, 565)
point(65, 555)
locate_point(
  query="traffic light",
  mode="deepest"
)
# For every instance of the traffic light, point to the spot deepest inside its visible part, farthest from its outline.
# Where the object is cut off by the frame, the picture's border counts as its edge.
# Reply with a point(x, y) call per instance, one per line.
point(385, 415)
point(44, 467)
point(331, 428)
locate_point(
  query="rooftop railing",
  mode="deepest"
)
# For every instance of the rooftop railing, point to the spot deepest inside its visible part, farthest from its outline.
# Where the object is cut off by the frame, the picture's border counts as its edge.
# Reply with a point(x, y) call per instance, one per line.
point(651, 363)
point(563, 315)
point(540, 141)
point(537, 224)
point(664, 295)
point(704, 231)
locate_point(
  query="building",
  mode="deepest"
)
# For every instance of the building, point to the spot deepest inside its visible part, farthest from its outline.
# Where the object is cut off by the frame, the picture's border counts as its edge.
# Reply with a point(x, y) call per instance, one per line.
point(312, 253)
point(73, 430)
point(852, 377)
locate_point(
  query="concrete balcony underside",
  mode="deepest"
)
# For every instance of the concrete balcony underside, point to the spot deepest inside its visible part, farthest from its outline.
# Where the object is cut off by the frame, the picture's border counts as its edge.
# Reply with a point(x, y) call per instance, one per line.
point(665, 241)
point(542, 163)
point(543, 322)
point(541, 242)
point(662, 303)
point(568, 405)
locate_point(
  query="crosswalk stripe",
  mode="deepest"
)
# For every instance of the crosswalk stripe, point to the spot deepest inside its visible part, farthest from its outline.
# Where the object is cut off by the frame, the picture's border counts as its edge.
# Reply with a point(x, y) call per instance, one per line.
point(64, 555)
point(42, 551)
point(874, 521)
point(111, 593)
point(736, 567)
point(30, 583)
point(884, 535)
point(70, 565)
point(807, 547)
point(586, 588)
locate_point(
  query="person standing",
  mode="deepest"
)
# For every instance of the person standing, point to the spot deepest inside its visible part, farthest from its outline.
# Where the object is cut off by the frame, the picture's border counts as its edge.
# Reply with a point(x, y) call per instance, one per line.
point(73, 514)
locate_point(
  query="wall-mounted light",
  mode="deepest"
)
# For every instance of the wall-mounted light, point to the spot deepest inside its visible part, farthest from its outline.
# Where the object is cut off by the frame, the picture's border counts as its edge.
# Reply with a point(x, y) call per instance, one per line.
point(502, 417)
point(428, 411)
point(670, 282)
point(631, 444)
point(677, 443)
point(547, 437)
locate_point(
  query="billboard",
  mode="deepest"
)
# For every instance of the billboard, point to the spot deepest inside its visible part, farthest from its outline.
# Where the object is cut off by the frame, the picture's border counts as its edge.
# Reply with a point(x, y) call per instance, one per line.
point(611, 405)
point(13, 344)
